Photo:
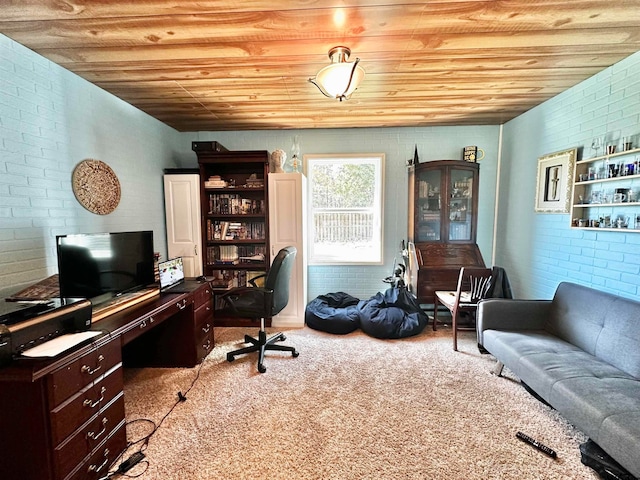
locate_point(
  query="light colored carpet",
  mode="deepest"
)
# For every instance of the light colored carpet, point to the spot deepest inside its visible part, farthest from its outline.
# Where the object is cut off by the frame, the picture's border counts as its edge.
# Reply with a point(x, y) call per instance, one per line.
point(349, 407)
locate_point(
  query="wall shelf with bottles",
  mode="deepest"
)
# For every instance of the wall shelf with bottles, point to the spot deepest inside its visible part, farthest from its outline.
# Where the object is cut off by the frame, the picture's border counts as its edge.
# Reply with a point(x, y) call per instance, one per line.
point(606, 192)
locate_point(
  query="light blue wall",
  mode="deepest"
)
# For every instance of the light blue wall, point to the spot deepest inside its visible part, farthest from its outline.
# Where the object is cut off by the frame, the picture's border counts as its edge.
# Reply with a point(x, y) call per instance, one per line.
point(434, 143)
point(50, 120)
point(540, 250)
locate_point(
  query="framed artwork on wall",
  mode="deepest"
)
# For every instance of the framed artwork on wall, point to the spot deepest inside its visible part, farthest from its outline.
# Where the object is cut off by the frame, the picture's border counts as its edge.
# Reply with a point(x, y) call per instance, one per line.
point(553, 187)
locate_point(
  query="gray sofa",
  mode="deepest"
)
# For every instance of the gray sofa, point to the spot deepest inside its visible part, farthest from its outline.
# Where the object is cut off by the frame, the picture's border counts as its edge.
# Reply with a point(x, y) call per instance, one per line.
point(580, 353)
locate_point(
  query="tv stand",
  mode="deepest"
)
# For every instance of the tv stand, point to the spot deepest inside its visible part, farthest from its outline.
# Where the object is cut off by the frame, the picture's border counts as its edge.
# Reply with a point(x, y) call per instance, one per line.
point(63, 418)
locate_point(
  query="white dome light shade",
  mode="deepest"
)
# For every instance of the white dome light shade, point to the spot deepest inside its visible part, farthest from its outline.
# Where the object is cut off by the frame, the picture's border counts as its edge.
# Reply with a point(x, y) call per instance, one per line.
point(340, 79)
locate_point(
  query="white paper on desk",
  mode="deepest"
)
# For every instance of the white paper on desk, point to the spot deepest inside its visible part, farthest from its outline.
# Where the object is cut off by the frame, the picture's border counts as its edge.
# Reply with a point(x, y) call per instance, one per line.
point(59, 344)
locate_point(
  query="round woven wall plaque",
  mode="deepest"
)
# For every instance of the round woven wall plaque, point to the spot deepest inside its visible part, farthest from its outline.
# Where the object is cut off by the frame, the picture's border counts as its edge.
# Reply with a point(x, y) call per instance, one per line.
point(96, 186)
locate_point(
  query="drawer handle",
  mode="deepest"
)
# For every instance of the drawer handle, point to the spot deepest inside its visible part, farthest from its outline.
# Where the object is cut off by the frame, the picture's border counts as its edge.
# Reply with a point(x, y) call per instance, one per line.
point(95, 436)
point(181, 305)
point(207, 345)
point(91, 371)
point(143, 324)
point(206, 329)
point(96, 468)
point(90, 404)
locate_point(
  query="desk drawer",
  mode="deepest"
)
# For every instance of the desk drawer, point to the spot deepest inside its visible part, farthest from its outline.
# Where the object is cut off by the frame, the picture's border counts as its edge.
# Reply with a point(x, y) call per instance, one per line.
point(97, 465)
point(150, 321)
point(203, 333)
point(204, 346)
point(78, 446)
point(67, 380)
point(67, 417)
point(202, 296)
point(203, 320)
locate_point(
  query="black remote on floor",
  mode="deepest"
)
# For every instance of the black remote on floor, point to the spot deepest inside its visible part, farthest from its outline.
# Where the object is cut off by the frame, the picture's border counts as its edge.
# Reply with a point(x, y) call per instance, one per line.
point(543, 448)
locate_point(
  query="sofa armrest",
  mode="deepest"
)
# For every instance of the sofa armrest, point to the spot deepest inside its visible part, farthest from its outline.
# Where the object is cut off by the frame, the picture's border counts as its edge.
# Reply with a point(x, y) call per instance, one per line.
point(509, 314)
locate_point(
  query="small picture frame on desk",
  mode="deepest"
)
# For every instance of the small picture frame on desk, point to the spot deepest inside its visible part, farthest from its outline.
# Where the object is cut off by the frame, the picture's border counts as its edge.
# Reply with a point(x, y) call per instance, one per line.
point(553, 186)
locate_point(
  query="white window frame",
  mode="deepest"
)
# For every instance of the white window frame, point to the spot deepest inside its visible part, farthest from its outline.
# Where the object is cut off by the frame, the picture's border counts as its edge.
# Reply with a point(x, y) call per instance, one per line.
point(346, 256)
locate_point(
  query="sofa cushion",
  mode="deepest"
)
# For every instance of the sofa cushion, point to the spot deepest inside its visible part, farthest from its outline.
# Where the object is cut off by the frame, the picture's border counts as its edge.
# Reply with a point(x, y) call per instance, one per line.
point(619, 340)
point(577, 315)
point(600, 323)
point(588, 401)
point(510, 346)
point(620, 433)
point(605, 409)
point(540, 360)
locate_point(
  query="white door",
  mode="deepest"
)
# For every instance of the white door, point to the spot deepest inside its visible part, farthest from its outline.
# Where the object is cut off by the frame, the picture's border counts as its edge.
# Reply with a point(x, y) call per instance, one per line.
point(287, 226)
point(182, 206)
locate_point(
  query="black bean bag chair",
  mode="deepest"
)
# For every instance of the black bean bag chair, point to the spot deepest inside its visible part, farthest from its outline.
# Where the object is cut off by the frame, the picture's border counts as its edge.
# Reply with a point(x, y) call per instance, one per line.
point(395, 313)
point(333, 313)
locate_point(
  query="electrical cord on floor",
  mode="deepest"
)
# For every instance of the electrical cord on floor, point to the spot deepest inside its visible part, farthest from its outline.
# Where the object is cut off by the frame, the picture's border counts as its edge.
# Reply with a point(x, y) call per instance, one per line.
point(136, 457)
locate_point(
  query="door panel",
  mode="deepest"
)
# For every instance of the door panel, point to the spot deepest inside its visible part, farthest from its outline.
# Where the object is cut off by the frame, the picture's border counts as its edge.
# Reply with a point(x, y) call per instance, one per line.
point(182, 205)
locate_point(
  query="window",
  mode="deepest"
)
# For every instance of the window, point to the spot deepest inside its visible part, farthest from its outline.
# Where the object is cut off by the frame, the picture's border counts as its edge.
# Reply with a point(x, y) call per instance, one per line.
point(345, 208)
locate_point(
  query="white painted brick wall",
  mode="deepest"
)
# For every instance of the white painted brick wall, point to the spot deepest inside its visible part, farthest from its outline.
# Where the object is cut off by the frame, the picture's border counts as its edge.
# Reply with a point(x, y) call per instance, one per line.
point(49, 121)
point(434, 143)
point(606, 104)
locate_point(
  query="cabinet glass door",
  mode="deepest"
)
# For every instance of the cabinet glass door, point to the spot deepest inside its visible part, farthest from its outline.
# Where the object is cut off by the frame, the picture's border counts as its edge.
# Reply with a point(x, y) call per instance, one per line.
point(428, 209)
point(461, 205)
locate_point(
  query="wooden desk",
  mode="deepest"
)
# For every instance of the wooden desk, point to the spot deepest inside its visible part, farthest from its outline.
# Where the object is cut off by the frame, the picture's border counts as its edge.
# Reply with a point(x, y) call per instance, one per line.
point(63, 418)
point(439, 267)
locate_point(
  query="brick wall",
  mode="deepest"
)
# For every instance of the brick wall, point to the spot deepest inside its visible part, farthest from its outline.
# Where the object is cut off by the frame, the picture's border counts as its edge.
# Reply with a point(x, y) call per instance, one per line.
point(434, 143)
point(50, 120)
point(540, 250)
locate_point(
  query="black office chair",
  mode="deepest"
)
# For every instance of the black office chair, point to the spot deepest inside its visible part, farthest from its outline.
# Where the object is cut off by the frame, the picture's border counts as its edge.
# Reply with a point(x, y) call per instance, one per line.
point(260, 303)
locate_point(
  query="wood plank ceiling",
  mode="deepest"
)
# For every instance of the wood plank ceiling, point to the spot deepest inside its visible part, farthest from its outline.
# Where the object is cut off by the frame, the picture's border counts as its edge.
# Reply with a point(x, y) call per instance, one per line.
point(206, 65)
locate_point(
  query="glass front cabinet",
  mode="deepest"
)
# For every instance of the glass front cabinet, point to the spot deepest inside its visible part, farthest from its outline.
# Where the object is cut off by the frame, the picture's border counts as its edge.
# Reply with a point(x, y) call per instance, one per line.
point(443, 223)
point(446, 201)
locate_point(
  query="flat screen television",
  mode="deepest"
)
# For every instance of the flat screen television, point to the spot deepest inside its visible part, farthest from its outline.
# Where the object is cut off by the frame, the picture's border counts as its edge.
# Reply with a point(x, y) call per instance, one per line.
point(100, 266)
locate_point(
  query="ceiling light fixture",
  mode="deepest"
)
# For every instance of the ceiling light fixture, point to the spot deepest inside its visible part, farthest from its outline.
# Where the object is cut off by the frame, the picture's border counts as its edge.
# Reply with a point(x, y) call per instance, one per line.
point(340, 79)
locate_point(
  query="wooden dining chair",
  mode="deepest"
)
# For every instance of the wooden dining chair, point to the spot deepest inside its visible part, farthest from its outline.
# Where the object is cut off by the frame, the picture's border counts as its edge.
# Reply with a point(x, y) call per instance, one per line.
point(473, 285)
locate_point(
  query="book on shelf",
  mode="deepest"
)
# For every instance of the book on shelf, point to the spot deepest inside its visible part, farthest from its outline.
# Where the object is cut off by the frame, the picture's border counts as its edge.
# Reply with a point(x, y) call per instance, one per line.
point(215, 181)
point(222, 255)
point(257, 258)
point(226, 262)
point(221, 283)
point(234, 204)
point(220, 230)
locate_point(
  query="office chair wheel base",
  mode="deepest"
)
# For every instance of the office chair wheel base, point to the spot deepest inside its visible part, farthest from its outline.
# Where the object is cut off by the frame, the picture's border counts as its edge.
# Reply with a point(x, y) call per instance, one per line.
point(261, 368)
point(230, 358)
point(282, 337)
point(295, 353)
